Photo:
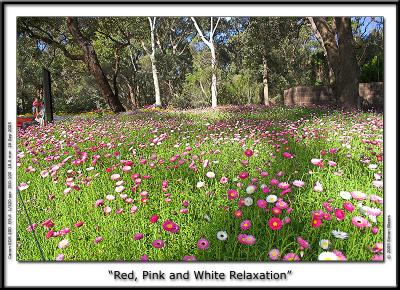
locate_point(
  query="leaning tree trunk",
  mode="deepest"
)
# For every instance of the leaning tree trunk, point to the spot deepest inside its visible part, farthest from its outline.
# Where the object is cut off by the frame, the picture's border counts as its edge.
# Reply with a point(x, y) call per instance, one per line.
point(94, 66)
point(214, 78)
point(331, 74)
point(327, 35)
point(349, 71)
point(265, 82)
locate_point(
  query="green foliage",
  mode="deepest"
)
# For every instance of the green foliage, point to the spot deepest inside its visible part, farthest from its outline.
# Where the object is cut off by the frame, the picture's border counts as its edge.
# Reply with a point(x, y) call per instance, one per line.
point(373, 70)
point(293, 55)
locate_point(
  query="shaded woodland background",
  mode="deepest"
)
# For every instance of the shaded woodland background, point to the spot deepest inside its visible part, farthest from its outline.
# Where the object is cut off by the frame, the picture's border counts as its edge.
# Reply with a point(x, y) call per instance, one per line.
point(123, 63)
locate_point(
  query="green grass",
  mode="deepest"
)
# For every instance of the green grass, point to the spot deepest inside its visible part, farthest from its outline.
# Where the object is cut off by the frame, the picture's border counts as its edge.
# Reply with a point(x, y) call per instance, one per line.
point(230, 131)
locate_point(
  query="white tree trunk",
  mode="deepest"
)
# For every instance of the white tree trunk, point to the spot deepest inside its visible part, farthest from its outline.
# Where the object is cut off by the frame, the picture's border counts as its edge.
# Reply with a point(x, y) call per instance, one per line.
point(153, 63)
point(214, 77)
point(210, 45)
point(155, 80)
point(265, 82)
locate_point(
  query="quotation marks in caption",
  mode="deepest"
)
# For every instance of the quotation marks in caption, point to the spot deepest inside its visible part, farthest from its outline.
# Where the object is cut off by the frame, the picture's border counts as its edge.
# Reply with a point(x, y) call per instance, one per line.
point(200, 275)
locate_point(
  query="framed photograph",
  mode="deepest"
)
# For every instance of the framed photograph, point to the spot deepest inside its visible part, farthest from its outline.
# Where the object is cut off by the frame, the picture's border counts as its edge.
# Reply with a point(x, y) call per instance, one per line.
point(206, 144)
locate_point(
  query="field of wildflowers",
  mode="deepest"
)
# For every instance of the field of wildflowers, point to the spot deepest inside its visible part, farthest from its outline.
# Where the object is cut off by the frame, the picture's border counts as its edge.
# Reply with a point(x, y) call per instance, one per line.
point(234, 184)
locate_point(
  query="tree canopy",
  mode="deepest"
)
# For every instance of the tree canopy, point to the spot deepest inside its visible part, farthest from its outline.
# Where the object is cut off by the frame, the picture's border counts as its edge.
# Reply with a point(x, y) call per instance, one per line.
point(121, 63)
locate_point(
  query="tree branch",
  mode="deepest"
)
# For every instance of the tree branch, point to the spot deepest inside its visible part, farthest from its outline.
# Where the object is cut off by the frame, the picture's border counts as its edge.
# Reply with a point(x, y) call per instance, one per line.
point(212, 35)
point(49, 40)
point(200, 33)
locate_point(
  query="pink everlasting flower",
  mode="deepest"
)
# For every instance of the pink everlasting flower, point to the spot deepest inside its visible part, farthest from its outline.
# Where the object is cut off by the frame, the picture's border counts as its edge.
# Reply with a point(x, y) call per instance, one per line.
point(317, 162)
point(243, 175)
point(232, 194)
point(360, 222)
point(31, 227)
point(158, 244)
point(203, 244)
point(154, 218)
point(170, 226)
point(245, 225)
point(98, 240)
point(246, 239)
point(348, 206)
point(274, 182)
point(78, 224)
point(274, 254)
point(298, 183)
point(144, 258)
point(138, 236)
point(48, 224)
point(99, 202)
point(248, 152)
point(287, 155)
point(340, 215)
point(223, 180)
point(189, 258)
point(302, 243)
point(291, 257)
point(261, 203)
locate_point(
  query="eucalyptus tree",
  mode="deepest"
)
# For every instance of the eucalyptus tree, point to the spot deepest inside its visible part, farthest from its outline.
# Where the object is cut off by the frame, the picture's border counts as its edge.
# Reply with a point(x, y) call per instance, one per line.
point(210, 44)
point(337, 38)
point(262, 38)
point(172, 37)
point(152, 54)
point(73, 37)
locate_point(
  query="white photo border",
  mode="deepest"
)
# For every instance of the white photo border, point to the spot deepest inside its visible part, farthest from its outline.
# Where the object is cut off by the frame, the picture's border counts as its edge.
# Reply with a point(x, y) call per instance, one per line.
point(303, 274)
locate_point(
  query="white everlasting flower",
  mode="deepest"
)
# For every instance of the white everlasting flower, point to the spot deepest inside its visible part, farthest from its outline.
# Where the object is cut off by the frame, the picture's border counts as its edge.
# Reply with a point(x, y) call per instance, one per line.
point(345, 195)
point(248, 201)
point(115, 176)
point(210, 174)
point(271, 198)
point(298, 183)
point(120, 188)
point(110, 197)
point(251, 189)
point(318, 187)
point(372, 218)
point(372, 166)
point(377, 183)
point(67, 190)
point(63, 244)
point(207, 217)
point(324, 244)
point(23, 186)
point(339, 234)
point(119, 183)
point(378, 176)
point(200, 184)
point(327, 256)
point(222, 235)
point(60, 257)
point(358, 195)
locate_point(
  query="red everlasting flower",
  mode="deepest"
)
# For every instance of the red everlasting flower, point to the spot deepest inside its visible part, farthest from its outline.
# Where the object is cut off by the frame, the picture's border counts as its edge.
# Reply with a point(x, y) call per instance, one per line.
point(316, 222)
point(248, 152)
point(275, 223)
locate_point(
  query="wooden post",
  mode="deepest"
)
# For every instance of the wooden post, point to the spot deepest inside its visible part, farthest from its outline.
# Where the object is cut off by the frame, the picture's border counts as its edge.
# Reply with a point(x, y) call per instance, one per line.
point(47, 98)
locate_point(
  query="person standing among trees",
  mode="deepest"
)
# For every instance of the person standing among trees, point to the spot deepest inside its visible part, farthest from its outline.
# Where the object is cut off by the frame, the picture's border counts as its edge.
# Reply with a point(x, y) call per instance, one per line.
point(38, 107)
point(37, 103)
